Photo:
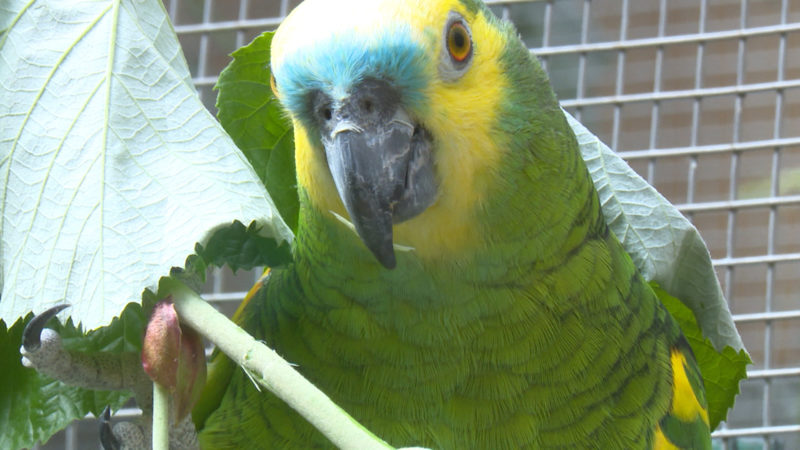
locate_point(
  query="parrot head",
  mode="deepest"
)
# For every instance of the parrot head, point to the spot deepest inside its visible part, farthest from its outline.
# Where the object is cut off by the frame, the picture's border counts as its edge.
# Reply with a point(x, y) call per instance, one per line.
point(396, 106)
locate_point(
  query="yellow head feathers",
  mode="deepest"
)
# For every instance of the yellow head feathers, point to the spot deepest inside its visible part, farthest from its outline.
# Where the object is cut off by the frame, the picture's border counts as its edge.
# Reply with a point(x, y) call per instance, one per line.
point(407, 43)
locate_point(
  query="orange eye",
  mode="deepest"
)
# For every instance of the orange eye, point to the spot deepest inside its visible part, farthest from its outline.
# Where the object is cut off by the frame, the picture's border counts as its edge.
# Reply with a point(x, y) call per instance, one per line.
point(272, 84)
point(458, 42)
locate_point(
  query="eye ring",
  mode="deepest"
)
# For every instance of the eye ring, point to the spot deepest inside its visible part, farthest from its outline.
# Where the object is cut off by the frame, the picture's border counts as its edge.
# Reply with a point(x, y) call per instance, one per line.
point(457, 48)
point(459, 42)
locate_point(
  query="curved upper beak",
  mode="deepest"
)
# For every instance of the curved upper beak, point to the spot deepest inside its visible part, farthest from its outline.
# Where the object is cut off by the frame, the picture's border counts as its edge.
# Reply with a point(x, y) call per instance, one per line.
point(381, 163)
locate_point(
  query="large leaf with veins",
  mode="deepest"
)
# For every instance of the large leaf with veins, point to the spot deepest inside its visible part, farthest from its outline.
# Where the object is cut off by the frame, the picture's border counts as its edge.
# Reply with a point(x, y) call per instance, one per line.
point(111, 168)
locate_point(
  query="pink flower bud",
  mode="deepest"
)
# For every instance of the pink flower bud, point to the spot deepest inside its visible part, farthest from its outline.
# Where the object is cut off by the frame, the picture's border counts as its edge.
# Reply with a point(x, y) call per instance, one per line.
point(173, 356)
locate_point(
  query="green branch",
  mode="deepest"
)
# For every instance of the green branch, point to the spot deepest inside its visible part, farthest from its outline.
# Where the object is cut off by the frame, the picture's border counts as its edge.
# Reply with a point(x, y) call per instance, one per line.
point(160, 417)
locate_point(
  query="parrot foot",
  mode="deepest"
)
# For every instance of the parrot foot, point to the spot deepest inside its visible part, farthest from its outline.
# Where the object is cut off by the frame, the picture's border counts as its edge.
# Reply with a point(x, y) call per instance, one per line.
point(31, 334)
point(108, 441)
point(137, 436)
point(42, 350)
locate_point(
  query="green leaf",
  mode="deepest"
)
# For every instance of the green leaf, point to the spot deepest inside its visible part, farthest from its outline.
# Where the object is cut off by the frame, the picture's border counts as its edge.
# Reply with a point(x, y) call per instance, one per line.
point(721, 371)
point(243, 247)
point(247, 106)
point(663, 244)
point(33, 407)
point(123, 334)
point(111, 169)
point(281, 179)
point(250, 113)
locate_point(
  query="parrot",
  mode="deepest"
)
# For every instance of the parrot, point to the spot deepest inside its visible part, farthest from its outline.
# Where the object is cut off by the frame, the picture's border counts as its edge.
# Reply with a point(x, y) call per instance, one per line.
point(454, 283)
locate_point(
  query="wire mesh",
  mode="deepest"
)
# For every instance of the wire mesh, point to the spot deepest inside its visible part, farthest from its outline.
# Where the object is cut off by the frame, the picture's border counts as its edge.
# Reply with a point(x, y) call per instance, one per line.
point(703, 100)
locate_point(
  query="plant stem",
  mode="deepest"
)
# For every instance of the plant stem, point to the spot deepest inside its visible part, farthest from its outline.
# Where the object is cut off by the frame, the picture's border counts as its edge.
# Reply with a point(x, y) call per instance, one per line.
point(160, 417)
point(270, 370)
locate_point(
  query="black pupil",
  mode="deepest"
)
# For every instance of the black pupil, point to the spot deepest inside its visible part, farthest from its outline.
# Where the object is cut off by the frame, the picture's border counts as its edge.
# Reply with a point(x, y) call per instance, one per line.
point(459, 40)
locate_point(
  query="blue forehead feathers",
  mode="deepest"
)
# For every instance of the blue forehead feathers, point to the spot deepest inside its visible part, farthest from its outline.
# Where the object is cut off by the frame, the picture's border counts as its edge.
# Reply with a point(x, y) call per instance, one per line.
point(338, 63)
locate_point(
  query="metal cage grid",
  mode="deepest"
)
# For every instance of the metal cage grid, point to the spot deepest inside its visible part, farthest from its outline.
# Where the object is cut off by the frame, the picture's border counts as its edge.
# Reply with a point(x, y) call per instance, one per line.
point(701, 97)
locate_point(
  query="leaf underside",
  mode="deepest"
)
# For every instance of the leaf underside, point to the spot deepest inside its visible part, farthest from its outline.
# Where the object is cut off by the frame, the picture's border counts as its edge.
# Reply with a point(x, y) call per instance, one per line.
point(112, 168)
point(111, 172)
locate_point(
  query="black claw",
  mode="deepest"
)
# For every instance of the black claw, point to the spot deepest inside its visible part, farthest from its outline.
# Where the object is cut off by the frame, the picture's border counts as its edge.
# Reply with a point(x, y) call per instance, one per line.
point(107, 439)
point(33, 330)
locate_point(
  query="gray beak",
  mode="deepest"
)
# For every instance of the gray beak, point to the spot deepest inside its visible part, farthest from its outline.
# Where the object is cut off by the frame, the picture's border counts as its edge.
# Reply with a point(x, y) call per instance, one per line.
point(380, 161)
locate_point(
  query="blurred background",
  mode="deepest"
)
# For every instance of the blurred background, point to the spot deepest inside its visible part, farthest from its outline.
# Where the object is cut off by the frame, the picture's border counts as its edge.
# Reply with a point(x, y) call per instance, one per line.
point(701, 97)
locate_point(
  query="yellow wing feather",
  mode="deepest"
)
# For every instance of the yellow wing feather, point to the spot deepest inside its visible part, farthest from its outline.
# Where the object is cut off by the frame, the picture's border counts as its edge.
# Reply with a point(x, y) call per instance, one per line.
point(685, 406)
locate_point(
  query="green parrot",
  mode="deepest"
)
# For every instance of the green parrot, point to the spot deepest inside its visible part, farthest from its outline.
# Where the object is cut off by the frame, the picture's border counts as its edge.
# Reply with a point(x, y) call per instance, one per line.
point(454, 283)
